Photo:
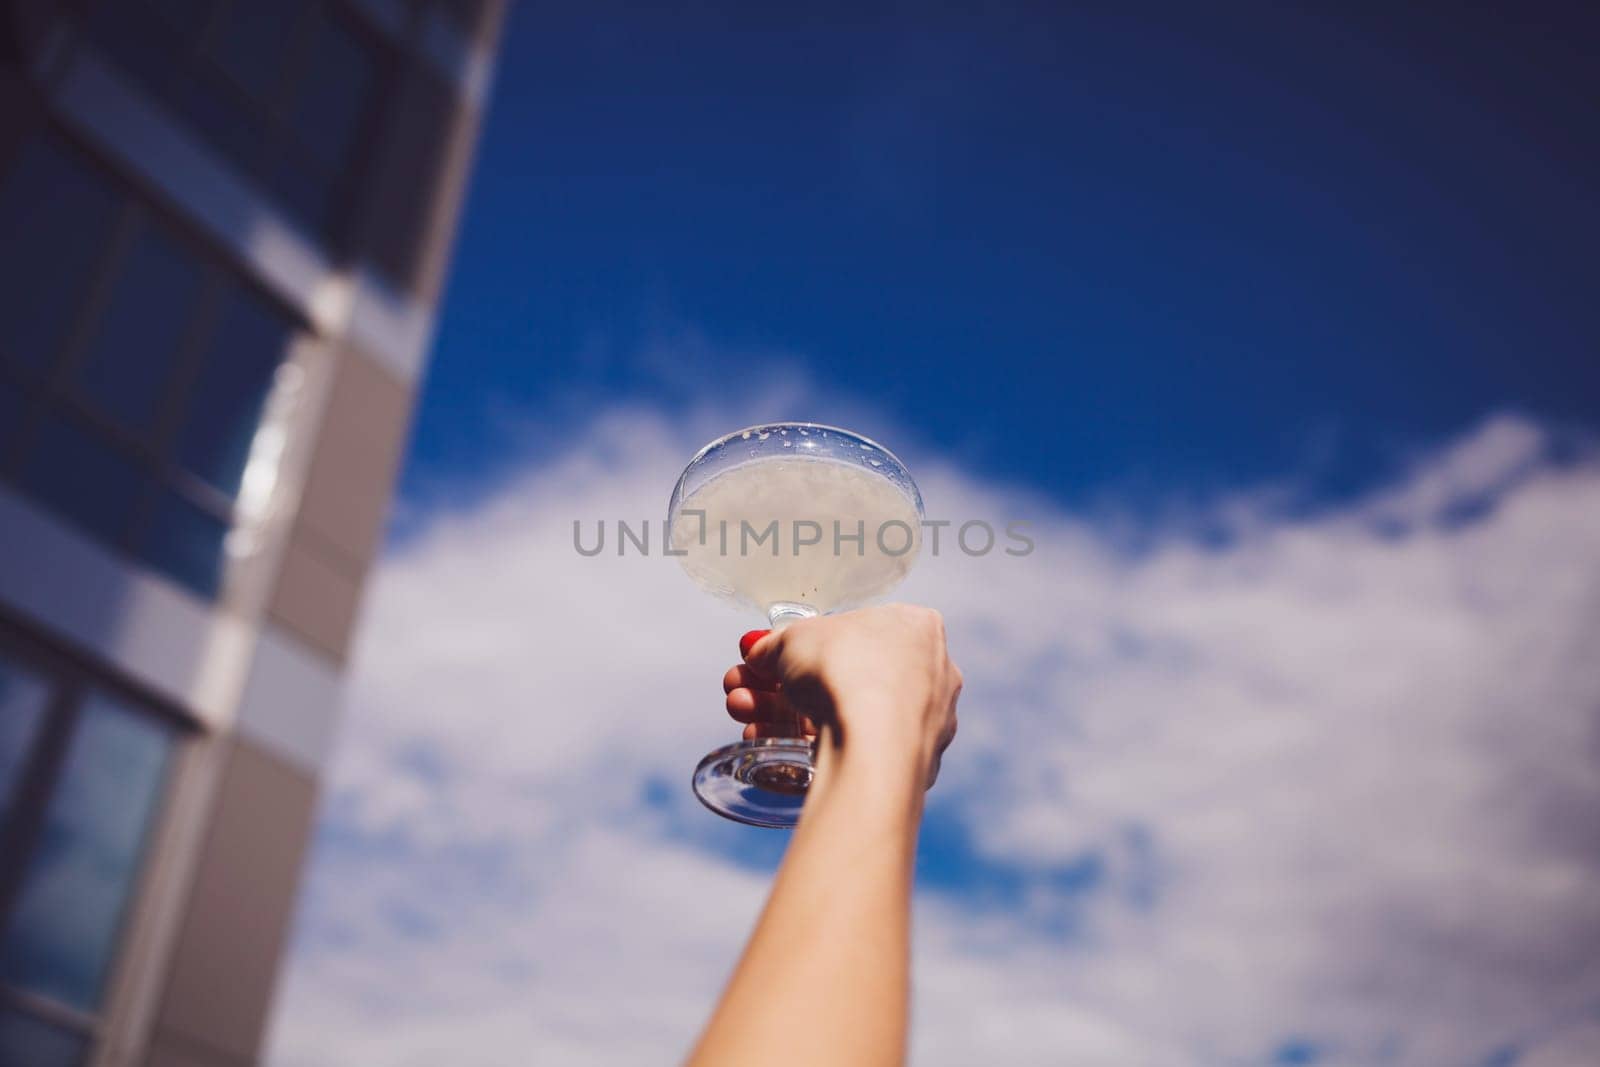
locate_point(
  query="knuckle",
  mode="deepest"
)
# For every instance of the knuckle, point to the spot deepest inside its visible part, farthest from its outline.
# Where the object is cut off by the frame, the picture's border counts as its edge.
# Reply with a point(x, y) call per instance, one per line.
point(929, 623)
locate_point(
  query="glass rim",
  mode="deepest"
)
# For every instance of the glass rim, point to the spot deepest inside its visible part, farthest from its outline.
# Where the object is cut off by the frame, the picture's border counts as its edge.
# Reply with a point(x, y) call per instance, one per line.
point(706, 449)
point(796, 424)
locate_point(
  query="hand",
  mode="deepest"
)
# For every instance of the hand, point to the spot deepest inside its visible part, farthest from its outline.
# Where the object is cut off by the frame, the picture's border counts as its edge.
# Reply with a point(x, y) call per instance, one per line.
point(877, 682)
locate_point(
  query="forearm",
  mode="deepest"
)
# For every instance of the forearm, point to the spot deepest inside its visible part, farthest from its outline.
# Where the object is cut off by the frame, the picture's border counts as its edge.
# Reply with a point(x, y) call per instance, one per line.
point(825, 978)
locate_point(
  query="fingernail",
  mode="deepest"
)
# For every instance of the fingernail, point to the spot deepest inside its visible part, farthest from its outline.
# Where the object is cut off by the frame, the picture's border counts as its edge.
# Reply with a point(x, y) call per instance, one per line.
point(748, 641)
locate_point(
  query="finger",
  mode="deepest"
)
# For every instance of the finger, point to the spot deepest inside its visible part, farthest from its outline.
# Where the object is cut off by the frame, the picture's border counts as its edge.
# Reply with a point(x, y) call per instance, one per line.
point(755, 705)
point(946, 736)
point(740, 676)
point(749, 639)
point(761, 650)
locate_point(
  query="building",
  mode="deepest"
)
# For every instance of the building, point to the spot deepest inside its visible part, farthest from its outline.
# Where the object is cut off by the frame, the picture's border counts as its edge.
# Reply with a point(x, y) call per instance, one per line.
point(223, 228)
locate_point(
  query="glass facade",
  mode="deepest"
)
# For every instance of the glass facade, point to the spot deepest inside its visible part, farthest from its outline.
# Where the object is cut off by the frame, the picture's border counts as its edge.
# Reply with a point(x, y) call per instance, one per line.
point(237, 366)
point(147, 308)
point(81, 476)
point(83, 776)
point(70, 899)
point(23, 702)
point(283, 90)
point(55, 219)
point(134, 369)
point(28, 1039)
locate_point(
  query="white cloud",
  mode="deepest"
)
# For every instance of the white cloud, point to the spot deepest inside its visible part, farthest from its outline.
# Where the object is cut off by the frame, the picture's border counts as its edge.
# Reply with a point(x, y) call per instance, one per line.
point(1340, 774)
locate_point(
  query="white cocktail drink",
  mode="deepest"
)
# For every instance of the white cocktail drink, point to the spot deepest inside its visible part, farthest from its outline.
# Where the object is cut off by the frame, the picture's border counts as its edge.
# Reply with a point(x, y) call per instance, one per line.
point(805, 535)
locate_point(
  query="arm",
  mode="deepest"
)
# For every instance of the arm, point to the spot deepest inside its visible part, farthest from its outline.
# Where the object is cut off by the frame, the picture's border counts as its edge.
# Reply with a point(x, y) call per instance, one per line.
point(825, 977)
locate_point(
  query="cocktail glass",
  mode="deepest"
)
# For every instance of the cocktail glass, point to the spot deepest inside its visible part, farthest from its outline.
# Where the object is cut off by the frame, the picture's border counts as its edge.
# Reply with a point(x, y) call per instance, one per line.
point(791, 519)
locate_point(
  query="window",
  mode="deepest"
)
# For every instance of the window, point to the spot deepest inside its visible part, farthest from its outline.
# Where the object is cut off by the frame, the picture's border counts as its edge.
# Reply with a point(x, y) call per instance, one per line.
point(10, 415)
point(23, 696)
point(283, 90)
point(69, 903)
point(413, 149)
point(131, 393)
point(82, 477)
point(235, 378)
point(54, 222)
point(251, 43)
point(185, 542)
point(28, 1039)
point(138, 336)
point(467, 15)
point(86, 770)
point(331, 98)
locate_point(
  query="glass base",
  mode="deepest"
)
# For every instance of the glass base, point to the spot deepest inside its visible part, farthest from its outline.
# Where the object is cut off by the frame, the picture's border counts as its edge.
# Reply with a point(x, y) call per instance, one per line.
point(760, 783)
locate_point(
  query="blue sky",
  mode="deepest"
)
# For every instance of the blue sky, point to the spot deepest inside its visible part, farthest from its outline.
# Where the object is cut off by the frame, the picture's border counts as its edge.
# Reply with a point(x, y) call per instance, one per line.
point(1139, 249)
point(1319, 791)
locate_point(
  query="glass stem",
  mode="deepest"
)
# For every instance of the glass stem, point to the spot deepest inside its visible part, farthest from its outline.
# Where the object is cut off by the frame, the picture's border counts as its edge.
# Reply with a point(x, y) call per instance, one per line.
point(784, 612)
point(779, 615)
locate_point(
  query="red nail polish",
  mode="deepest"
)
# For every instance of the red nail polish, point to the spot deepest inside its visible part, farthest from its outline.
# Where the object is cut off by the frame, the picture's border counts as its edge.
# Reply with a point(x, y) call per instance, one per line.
point(748, 641)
